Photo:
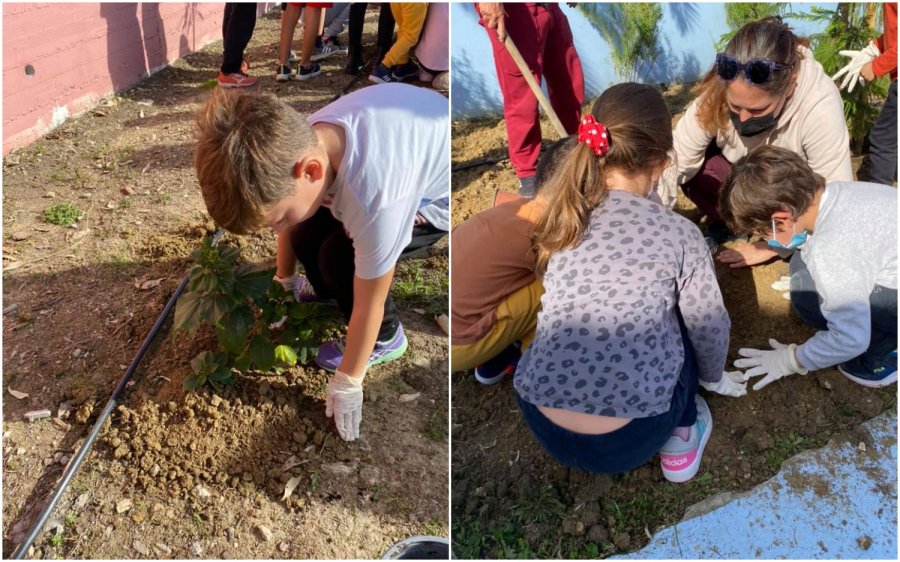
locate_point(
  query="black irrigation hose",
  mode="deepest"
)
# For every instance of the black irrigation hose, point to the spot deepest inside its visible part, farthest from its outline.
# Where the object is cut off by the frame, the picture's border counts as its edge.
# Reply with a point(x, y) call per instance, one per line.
point(113, 400)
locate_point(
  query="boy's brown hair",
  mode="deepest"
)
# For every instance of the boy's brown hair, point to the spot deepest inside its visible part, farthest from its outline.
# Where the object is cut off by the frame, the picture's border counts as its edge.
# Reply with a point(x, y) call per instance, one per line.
point(768, 180)
point(247, 145)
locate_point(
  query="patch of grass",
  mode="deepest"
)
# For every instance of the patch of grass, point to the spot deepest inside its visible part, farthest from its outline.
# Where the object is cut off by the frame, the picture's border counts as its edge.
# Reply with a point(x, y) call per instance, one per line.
point(418, 286)
point(70, 519)
point(436, 430)
point(56, 540)
point(435, 528)
point(164, 198)
point(209, 84)
point(785, 446)
point(127, 202)
point(62, 214)
point(541, 507)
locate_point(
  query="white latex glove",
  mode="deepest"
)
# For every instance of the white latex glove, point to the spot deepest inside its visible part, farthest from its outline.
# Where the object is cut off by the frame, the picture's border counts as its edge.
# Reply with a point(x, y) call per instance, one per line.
point(344, 400)
point(287, 282)
point(780, 361)
point(732, 383)
point(858, 59)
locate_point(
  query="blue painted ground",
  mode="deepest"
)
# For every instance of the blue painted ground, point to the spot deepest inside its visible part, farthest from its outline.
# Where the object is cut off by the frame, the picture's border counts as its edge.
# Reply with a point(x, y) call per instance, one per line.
point(839, 501)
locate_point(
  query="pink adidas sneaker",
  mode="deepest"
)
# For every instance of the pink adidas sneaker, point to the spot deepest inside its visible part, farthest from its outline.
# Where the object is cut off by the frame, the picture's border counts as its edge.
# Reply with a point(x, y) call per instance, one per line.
point(680, 459)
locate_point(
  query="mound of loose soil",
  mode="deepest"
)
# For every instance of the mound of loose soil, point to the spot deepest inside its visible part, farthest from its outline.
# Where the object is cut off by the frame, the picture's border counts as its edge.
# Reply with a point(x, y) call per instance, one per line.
point(196, 475)
point(511, 500)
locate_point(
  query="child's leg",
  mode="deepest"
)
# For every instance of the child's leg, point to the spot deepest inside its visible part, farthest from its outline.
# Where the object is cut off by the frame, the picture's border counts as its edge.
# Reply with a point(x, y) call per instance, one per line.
point(335, 264)
point(289, 19)
point(410, 17)
point(516, 320)
point(306, 241)
point(310, 32)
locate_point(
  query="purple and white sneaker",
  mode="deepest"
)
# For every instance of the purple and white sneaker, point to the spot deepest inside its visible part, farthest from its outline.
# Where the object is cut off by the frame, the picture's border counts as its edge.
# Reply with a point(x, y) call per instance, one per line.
point(331, 353)
point(303, 290)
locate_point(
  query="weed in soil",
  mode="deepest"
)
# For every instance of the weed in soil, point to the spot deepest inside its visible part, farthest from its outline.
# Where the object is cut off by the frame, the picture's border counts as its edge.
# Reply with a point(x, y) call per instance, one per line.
point(62, 214)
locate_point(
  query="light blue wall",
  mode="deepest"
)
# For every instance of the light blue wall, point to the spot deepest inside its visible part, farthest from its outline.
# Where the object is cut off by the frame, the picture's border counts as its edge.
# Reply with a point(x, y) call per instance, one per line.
point(689, 33)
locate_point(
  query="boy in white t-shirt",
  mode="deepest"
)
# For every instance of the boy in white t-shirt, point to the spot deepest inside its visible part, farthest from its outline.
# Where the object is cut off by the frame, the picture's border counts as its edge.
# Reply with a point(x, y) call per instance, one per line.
point(843, 272)
point(344, 190)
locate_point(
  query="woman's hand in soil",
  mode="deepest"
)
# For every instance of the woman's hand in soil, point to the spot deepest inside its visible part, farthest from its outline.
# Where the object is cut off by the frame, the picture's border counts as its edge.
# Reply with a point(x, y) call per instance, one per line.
point(746, 254)
point(732, 383)
point(344, 400)
point(775, 363)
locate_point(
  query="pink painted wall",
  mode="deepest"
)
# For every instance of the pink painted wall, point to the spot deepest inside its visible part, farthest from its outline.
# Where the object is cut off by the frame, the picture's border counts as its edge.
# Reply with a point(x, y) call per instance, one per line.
point(82, 52)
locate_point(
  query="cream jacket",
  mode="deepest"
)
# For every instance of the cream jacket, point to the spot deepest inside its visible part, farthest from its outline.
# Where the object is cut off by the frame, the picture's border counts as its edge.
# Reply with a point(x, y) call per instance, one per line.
point(811, 124)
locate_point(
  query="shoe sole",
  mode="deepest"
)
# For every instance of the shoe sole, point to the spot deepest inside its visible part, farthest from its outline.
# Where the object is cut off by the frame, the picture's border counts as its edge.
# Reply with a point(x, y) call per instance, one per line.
point(888, 380)
point(221, 85)
point(489, 380)
point(284, 77)
point(317, 58)
point(376, 80)
point(682, 476)
point(308, 76)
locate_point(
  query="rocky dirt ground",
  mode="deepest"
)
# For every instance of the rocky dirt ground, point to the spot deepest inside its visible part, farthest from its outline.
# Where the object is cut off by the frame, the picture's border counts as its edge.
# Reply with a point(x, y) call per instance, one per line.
point(511, 500)
point(177, 475)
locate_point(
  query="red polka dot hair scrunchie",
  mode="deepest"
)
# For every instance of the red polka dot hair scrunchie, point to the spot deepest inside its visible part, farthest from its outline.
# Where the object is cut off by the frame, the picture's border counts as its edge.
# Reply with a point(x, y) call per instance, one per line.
point(593, 134)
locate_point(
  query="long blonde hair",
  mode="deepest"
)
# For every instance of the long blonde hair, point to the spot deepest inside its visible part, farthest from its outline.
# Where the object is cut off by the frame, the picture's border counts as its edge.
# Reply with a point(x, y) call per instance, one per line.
point(640, 133)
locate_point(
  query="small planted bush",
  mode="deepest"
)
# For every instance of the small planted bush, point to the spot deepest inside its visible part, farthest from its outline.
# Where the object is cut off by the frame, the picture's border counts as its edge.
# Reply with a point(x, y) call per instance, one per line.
point(62, 214)
point(258, 326)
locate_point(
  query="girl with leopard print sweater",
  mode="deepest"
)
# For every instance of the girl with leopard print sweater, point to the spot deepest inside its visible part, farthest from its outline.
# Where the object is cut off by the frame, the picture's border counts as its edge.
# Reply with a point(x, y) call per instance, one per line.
point(631, 318)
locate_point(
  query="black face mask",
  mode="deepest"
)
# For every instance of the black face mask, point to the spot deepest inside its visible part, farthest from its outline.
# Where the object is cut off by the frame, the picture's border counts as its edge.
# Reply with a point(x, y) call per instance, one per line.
point(753, 126)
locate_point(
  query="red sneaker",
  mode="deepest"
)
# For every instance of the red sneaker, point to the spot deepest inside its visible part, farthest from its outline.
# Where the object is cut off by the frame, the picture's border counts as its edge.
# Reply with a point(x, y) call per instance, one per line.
point(235, 80)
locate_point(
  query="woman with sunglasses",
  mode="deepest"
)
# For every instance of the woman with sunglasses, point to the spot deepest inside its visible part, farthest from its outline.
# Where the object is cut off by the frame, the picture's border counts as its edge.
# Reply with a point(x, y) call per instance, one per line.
point(764, 89)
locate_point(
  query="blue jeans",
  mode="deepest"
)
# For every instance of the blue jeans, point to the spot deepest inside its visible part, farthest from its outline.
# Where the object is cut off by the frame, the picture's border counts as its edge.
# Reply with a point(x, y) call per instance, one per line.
point(883, 302)
point(627, 447)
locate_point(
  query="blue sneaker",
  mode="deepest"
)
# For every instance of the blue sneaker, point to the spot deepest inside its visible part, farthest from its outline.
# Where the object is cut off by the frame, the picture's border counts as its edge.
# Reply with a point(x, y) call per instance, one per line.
point(871, 374)
point(381, 75)
point(495, 369)
point(307, 72)
point(331, 353)
point(405, 71)
point(680, 458)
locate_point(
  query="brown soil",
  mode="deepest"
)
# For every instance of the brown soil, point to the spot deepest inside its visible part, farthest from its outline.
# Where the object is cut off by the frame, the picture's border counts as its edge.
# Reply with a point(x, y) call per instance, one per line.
point(510, 499)
point(201, 472)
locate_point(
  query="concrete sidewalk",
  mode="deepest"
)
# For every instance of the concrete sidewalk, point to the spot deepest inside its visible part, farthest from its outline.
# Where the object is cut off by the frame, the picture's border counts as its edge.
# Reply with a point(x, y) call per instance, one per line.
point(839, 501)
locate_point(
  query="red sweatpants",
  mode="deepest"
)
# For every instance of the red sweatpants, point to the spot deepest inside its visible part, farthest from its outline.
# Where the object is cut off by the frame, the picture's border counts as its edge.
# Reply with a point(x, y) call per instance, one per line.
point(544, 39)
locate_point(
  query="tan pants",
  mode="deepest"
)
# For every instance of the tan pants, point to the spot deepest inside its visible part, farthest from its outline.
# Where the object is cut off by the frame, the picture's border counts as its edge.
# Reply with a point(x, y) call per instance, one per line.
point(410, 16)
point(516, 320)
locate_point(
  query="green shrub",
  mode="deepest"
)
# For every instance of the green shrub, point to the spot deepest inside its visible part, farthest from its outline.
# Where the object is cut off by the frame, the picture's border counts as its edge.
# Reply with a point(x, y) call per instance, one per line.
point(62, 214)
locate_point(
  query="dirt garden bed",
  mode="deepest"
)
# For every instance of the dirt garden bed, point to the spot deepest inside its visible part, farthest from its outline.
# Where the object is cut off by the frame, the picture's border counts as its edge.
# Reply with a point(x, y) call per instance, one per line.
point(511, 500)
point(178, 475)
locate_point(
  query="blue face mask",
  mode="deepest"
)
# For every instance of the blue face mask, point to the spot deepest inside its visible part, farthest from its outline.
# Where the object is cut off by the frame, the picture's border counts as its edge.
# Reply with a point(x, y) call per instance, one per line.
point(797, 240)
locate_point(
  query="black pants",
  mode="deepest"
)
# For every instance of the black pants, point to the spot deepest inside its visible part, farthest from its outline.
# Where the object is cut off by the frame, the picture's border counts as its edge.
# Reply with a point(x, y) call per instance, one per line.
point(237, 28)
point(882, 302)
point(327, 255)
point(883, 141)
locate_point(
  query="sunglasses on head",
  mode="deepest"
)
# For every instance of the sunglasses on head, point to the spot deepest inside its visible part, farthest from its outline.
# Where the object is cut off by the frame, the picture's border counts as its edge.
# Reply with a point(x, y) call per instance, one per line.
point(757, 71)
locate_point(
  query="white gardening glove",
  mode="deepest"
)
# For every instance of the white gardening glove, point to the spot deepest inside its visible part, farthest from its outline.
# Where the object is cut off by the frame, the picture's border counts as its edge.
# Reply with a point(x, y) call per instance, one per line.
point(858, 59)
point(780, 361)
point(732, 383)
point(344, 400)
point(287, 282)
